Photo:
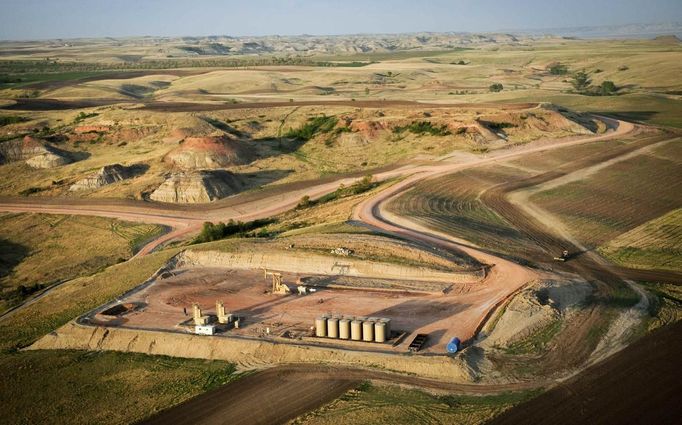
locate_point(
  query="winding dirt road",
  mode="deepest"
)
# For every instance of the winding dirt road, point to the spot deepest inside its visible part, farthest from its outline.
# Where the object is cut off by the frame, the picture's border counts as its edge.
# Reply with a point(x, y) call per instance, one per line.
point(246, 396)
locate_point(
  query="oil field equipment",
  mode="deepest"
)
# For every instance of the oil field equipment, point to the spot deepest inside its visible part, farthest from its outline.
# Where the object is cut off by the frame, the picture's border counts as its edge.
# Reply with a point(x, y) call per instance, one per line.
point(453, 345)
point(418, 342)
point(356, 330)
point(223, 316)
point(380, 331)
point(277, 286)
point(321, 327)
point(344, 328)
point(366, 329)
point(204, 330)
point(563, 257)
point(199, 319)
point(333, 327)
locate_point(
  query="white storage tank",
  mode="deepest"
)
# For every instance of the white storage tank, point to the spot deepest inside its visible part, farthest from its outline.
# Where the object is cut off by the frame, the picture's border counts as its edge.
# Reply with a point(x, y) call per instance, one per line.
point(380, 331)
point(344, 328)
point(368, 330)
point(321, 327)
point(388, 327)
point(332, 327)
point(356, 330)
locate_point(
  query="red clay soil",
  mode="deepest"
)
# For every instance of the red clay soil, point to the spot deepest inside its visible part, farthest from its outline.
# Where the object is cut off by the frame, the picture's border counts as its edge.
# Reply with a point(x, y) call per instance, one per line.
point(639, 385)
point(221, 150)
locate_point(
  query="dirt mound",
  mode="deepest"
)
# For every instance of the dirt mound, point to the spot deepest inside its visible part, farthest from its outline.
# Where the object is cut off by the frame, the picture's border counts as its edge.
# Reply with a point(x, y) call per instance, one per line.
point(36, 152)
point(107, 175)
point(91, 129)
point(369, 129)
point(209, 153)
point(197, 187)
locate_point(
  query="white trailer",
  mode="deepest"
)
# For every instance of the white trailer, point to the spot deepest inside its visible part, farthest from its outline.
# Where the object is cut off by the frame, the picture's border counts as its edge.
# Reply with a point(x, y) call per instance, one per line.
point(204, 329)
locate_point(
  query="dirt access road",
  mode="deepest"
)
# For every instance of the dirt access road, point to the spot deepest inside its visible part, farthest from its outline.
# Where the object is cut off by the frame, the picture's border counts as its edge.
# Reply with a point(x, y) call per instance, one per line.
point(46, 104)
point(505, 274)
point(276, 395)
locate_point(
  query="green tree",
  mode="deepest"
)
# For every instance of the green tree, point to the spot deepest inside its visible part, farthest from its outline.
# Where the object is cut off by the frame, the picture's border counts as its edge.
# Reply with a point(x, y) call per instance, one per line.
point(558, 69)
point(496, 87)
point(581, 81)
point(608, 88)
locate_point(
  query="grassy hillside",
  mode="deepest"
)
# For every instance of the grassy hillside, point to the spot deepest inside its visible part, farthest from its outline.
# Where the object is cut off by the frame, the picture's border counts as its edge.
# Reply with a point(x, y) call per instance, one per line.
point(39, 250)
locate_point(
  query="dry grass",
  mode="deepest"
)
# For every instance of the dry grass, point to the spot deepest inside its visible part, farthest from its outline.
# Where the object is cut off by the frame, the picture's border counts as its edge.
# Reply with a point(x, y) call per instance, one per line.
point(86, 387)
point(47, 249)
point(76, 297)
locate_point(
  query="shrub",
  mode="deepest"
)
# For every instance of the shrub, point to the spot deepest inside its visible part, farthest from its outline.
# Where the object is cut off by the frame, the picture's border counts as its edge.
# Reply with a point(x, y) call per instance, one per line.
point(581, 81)
point(83, 116)
point(304, 203)
point(213, 232)
point(496, 87)
point(321, 124)
point(558, 69)
point(607, 88)
point(423, 127)
point(12, 119)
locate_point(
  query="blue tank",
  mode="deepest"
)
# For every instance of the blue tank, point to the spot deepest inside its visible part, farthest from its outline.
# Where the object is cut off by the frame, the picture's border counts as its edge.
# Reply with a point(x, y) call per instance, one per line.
point(453, 345)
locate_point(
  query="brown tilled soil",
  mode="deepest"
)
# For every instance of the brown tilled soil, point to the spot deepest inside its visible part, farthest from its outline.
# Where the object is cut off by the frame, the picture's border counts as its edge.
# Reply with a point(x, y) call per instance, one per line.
point(639, 385)
point(279, 394)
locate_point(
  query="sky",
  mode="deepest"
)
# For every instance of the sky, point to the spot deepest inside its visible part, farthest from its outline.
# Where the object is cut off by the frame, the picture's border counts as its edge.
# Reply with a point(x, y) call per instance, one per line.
point(47, 19)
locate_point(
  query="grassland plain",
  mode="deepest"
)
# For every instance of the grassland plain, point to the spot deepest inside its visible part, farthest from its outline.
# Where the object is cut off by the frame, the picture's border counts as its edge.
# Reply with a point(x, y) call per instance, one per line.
point(79, 387)
point(42, 249)
point(646, 73)
point(384, 404)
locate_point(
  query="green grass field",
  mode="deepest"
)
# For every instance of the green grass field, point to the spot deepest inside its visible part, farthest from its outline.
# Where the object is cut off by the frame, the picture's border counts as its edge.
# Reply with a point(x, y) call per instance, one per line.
point(40, 250)
point(78, 387)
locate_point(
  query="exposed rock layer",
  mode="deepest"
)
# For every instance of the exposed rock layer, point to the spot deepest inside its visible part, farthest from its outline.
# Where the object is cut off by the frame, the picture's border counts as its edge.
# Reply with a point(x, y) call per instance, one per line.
point(37, 153)
point(106, 175)
point(209, 153)
point(197, 187)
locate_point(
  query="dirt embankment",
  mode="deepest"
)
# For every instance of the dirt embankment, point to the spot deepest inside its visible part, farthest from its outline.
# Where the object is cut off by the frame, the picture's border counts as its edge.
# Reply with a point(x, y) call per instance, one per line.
point(302, 262)
point(247, 353)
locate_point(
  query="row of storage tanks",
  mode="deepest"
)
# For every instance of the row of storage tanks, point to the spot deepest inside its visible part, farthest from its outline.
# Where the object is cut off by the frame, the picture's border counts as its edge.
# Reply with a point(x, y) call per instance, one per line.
point(368, 329)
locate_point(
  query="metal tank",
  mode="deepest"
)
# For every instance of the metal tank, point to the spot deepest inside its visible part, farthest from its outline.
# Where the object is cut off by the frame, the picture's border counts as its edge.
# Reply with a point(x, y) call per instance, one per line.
point(321, 327)
point(453, 345)
point(332, 327)
point(368, 330)
point(388, 327)
point(380, 331)
point(344, 328)
point(356, 330)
